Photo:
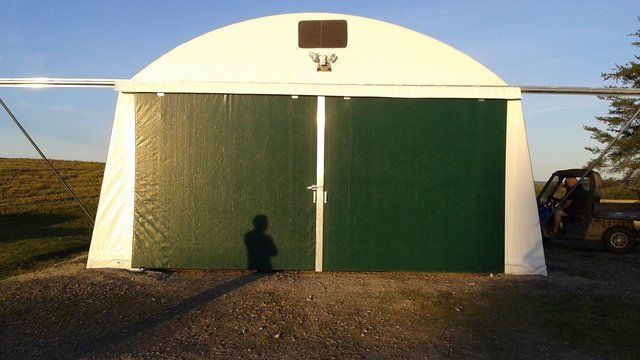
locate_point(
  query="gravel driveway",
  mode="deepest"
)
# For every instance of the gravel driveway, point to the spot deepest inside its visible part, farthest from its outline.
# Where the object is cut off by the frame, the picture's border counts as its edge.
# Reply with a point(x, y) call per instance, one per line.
point(585, 308)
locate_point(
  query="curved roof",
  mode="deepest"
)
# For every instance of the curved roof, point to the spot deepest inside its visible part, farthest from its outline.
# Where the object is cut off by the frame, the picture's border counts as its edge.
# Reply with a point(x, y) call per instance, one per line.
point(265, 50)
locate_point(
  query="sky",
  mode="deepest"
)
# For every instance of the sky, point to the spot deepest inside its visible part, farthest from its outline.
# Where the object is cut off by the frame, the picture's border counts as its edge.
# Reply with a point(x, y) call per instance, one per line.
point(563, 43)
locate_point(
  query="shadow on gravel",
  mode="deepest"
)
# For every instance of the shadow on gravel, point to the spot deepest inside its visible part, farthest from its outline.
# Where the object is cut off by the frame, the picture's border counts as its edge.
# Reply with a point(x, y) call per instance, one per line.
point(579, 246)
point(110, 342)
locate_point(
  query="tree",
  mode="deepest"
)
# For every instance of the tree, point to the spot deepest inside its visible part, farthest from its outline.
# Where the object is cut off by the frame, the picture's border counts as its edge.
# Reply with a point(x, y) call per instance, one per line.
point(624, 156)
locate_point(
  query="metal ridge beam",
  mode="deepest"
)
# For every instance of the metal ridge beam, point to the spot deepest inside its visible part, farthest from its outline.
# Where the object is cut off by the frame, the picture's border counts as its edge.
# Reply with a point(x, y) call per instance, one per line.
point(573, 90)
point(56, 82)
point(110, 83)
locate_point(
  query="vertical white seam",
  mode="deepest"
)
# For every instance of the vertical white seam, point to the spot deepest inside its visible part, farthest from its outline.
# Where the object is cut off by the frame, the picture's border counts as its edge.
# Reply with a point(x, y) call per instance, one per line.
point(509, 168)
point(320, 121)
point(133, 175)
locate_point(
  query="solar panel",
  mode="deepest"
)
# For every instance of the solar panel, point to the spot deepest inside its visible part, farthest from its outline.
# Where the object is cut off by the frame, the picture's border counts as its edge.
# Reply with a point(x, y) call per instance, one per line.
point(314, 34)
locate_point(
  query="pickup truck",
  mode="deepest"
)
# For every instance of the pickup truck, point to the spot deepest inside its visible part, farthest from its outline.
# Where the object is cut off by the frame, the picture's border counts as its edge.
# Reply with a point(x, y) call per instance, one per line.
point(614, 222)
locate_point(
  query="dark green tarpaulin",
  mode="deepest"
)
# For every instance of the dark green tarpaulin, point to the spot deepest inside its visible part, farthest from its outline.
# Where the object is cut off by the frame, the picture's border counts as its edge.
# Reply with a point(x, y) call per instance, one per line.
point(415, 184)
point(207, 165)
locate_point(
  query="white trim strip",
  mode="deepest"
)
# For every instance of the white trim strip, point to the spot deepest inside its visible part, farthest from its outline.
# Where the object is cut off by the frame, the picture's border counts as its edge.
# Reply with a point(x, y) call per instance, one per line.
point(341, 90)
point(320, 123)
point(125, 85)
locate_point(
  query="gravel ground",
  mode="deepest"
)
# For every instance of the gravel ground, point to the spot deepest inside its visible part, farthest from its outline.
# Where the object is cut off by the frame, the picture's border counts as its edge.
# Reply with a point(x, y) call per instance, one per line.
point(585, 308)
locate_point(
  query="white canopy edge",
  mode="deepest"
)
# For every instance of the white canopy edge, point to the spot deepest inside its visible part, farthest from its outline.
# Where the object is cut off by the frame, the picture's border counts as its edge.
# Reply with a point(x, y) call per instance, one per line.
point(523, 250)
point(112, 240)
point(382, 90)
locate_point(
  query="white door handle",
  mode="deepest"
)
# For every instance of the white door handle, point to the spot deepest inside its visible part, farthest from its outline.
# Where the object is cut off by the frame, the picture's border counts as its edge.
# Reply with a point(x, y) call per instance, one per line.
point(314, 188)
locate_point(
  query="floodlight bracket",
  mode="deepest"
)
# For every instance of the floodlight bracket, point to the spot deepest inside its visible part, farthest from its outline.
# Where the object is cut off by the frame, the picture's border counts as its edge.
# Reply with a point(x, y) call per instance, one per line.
point(324, 61)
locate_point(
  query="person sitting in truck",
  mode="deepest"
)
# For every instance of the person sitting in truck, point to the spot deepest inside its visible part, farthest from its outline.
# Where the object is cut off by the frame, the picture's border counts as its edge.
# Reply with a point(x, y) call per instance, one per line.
point(573, 205)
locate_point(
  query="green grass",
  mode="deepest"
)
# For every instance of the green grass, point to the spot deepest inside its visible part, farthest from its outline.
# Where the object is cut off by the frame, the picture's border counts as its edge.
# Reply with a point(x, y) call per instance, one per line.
point(39, 220)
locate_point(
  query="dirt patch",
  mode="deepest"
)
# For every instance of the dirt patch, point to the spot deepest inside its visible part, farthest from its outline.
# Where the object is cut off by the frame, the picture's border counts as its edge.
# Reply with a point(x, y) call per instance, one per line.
point(584, 309)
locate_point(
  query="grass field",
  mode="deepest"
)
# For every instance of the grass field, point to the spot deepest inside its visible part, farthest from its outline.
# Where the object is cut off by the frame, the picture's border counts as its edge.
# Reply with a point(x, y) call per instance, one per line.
point(39, 221)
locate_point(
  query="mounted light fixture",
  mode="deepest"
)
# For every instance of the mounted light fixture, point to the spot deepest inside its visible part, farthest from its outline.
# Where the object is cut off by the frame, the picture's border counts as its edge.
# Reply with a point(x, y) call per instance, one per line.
point(324, 61)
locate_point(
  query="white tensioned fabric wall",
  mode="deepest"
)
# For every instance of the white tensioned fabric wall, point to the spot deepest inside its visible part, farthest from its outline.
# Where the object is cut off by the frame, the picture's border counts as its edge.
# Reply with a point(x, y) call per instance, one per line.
point(262, 56)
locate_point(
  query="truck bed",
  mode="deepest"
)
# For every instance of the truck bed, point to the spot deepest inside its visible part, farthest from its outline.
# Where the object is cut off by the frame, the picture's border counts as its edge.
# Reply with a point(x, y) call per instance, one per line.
point(617, 209)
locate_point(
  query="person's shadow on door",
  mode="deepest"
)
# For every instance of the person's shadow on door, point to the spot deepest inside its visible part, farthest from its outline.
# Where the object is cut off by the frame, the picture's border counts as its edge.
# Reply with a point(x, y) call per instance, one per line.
point(260, 246)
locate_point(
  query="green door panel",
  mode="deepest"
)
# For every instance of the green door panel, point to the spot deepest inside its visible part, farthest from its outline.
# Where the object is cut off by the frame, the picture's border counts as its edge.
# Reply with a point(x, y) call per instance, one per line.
point(414, 184)
point(207, 165)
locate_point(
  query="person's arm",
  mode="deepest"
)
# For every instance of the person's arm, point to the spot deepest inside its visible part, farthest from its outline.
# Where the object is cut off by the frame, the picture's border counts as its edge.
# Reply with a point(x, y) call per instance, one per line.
point(566, 204)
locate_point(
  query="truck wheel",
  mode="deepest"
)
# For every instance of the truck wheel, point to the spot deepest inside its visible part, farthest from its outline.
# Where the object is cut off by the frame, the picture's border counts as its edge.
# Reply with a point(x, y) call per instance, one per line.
point(620, 240)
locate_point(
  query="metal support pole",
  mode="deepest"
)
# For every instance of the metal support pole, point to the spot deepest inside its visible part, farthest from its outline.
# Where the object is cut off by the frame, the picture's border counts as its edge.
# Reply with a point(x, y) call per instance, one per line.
point(57, 82)
point(111, 83)
point(577, 90)
point(46, 160)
